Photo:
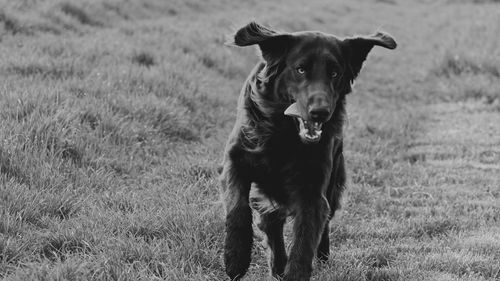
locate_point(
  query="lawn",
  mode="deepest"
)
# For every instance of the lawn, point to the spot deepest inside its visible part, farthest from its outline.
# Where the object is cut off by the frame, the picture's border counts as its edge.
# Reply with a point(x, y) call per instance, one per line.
point(114, 114)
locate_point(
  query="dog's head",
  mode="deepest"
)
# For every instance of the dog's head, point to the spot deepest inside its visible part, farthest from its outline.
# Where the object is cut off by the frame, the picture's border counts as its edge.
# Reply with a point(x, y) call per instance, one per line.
point(315, 69)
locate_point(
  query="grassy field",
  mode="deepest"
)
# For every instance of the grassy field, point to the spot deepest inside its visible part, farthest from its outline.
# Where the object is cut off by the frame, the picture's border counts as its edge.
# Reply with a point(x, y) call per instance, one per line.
point(113, 117)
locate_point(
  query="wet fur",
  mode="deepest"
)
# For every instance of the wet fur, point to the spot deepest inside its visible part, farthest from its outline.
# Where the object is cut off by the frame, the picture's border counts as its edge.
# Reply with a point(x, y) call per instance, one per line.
point(264, 152)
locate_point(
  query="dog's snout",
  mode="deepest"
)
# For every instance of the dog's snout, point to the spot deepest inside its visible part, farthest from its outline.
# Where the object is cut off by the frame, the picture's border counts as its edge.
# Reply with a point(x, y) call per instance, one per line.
point(319, 114)
point(319, 107)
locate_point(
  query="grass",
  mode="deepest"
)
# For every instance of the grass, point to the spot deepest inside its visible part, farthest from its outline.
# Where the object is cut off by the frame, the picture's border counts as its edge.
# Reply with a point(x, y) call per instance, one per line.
point(114, 117)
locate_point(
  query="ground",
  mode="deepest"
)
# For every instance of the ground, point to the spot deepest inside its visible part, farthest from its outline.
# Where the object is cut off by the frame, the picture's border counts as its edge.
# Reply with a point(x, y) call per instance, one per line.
point(114, 115)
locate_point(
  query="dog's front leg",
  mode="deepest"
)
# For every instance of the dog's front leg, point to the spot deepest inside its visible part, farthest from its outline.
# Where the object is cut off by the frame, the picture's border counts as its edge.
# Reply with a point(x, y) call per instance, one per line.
point(310, 219)
point(239, 234)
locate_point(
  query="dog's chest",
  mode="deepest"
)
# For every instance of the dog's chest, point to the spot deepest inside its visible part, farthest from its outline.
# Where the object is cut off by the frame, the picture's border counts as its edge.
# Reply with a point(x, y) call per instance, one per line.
point(278, 178)
point(289, 164)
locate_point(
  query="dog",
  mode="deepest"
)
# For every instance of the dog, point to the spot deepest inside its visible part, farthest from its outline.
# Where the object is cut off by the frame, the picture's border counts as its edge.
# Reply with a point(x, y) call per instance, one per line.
point(287, 144)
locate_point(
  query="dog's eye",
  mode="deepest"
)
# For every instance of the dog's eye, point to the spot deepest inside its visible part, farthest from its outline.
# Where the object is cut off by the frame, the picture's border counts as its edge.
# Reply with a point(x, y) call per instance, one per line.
point(300, 70)
point(335, 74)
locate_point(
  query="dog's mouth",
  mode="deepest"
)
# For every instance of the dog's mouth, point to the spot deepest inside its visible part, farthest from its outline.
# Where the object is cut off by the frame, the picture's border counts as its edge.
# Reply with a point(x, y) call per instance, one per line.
point(309, 131)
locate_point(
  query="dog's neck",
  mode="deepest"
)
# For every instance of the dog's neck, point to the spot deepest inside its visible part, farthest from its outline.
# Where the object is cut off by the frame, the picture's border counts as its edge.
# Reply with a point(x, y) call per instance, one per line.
point(265, 93)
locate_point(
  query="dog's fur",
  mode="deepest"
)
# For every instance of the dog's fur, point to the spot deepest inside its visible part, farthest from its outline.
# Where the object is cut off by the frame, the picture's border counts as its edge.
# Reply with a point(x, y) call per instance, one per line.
point(302, 178)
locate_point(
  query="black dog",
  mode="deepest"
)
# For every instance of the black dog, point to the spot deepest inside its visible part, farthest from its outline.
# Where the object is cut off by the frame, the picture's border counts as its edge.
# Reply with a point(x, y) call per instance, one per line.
point(287, 144)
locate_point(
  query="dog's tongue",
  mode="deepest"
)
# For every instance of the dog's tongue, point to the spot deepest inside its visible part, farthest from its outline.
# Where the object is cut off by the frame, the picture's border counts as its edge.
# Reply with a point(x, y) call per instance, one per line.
point(293, 110)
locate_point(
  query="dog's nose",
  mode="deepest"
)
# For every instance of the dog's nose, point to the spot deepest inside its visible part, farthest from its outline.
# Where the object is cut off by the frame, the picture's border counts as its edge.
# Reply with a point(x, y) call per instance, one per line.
point(319, 114)
point(319, 109)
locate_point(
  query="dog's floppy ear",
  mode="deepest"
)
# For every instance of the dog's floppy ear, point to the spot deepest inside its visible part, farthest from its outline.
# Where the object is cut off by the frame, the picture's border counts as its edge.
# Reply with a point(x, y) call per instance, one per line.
point(358, 48)
point(271, 42)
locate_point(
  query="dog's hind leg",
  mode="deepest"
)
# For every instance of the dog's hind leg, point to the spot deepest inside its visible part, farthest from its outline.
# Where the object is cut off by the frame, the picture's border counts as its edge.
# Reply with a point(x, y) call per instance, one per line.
point(239, 234)
point(272, 225)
